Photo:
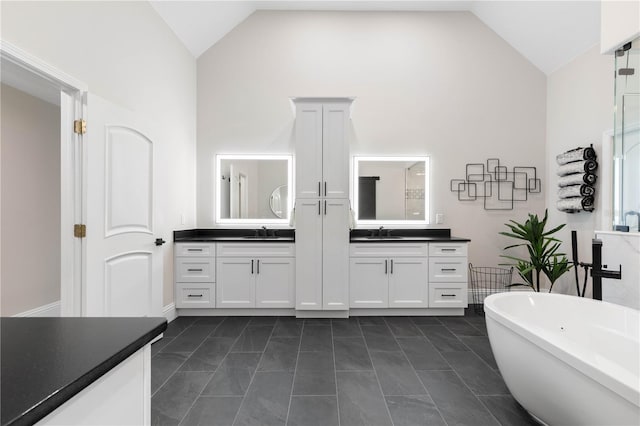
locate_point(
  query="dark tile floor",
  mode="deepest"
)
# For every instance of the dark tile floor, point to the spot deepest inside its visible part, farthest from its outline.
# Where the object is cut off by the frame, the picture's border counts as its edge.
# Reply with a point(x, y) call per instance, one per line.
point(358, 371)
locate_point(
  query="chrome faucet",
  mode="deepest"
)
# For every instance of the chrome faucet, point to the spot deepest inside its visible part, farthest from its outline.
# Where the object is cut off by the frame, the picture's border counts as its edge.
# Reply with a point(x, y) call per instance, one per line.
point(380, 231)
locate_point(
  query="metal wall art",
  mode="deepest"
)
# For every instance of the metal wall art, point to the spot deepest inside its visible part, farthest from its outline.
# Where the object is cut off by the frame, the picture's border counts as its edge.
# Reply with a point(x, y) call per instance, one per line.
point(496, 185)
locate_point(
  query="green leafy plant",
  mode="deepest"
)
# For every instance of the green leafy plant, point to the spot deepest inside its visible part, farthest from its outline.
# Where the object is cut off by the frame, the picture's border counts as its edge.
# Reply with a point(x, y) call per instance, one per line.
point(544, 256)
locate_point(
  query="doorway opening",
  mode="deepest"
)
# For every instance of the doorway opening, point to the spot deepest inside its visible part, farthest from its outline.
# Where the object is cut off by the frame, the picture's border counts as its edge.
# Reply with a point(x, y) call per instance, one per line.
point(41, 170)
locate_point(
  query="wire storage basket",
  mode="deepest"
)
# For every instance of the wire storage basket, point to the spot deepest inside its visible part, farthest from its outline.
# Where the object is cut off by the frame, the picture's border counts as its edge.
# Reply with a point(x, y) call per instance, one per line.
point(486, 280)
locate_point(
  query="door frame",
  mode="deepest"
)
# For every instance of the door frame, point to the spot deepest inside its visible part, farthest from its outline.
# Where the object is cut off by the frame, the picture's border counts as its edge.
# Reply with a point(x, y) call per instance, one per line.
point(73, 106)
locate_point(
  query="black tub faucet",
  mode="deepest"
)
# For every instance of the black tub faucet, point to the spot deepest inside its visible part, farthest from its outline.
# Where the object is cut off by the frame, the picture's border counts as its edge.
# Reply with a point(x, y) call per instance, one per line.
point(597, 273)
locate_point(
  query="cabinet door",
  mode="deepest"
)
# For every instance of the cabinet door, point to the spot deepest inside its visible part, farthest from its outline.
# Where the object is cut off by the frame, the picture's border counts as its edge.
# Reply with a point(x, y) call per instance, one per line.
point(408, 282)
point(335, 254)
point(275, 282)
point(235, 287)
point(308, 148)
point(368, 282)
point(335, 150)
point(308, 254)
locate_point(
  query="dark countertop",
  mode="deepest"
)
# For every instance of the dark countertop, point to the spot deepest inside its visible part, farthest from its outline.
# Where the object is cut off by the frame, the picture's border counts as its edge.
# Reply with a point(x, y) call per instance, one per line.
point(436, 235)
point(234, 235)
point(47, 361)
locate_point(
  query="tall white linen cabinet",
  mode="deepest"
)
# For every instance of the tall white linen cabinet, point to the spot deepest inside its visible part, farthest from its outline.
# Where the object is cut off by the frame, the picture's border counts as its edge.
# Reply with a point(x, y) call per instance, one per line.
point(322, 203)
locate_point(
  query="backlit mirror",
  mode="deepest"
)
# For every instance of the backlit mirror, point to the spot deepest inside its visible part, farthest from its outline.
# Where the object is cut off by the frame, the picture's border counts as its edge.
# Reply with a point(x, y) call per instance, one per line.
point(391, 190)
point(253, 188)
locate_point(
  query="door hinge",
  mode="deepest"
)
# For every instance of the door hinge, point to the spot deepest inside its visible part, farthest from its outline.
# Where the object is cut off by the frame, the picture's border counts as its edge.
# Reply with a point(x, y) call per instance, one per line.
point(79, 230)
point(80, 127)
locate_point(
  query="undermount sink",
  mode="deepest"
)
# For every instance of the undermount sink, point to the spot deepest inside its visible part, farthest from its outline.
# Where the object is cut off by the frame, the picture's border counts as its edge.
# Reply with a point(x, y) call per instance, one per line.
point(383, 237)
point(261, 237)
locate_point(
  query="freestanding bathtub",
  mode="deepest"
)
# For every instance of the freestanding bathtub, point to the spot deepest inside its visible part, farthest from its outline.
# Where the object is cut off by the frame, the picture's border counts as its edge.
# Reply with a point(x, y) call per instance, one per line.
point(567, 360)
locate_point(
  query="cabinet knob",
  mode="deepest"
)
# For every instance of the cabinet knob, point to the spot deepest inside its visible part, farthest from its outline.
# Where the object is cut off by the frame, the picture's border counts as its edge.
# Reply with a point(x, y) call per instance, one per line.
point(160, 241)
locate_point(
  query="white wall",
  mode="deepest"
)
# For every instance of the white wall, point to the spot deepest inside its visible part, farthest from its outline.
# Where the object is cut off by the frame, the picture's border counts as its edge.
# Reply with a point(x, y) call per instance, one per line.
point(30, 202)
point(619, 23)
point(579, 109)
point(126, 54)
point(436, 84)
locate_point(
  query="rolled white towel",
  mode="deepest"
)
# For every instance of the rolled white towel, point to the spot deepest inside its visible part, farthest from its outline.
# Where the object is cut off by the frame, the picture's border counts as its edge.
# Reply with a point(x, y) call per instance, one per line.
point(575, 204)
point(577, 179)
point(576, 191)
point(578, 154)
point(586, 166)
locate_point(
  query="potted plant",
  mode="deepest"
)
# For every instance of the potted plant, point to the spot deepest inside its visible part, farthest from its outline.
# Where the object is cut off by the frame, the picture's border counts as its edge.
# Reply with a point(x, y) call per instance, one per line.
point(544, 257)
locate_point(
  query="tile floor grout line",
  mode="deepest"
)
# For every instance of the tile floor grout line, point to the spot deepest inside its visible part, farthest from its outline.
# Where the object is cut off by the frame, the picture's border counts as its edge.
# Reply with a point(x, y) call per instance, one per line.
point(335, 371)
point(469, 388)
point(216, 370)
point(375, 372)
point(416, 371)
point(295, 372)
point(254, 371)
point(185, 360)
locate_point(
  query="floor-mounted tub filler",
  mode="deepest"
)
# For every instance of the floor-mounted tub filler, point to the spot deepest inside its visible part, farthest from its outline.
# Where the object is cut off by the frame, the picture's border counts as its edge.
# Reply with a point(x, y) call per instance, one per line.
point(568, 360)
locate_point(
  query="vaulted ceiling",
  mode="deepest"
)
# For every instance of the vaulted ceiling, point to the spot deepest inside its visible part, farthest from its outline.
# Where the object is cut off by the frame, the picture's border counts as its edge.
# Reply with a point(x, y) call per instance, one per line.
point(548, 33)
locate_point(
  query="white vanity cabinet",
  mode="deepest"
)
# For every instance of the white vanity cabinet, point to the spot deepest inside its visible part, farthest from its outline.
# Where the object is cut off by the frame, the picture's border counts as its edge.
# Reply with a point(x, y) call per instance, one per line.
point(391, 275)
point(322, 203)
point(448, 275)
point(194, 270)
point(408, 275)
point(255, 275)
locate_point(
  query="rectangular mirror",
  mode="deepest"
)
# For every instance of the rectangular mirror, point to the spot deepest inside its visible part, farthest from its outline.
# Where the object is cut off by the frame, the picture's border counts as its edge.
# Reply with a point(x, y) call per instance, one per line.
point(253, 189)
point(391, 190)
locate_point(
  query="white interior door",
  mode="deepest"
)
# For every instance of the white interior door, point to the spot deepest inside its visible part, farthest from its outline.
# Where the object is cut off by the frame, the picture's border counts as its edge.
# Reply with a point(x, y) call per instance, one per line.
point(123, 264)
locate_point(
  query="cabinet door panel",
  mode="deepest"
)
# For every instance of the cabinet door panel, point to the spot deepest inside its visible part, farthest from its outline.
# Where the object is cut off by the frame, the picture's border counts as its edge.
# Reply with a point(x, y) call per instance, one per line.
point(235, 286)
point(368, 282)
point(335, 254)
point(335, 152)
point(408, 285)
point(308, 150)
point(308, 254)
point(275, 283)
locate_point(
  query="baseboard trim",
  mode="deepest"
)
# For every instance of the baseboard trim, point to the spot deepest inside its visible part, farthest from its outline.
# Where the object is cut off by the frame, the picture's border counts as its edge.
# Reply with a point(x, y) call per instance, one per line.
point(50, 310)
point(170, 312)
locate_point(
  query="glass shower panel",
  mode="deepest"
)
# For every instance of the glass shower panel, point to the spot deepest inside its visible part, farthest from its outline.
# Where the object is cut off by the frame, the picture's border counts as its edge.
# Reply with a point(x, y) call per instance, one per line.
point(626, 163)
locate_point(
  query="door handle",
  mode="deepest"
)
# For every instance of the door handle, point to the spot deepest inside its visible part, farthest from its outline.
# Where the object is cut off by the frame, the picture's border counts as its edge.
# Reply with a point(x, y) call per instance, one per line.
point(194, 295)
point(319, 188)
point(252, 266)
point(197, 249)
point(325, 207)
point(160, 241)
point(319, 208)
point(392, 266)
point(448, 269)
point(325, 188)
point(194, 270)
point(385, 266)
point(258, 266)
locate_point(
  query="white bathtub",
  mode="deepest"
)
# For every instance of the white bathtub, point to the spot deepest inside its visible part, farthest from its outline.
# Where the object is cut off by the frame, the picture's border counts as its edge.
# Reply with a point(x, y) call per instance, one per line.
point(566, 359)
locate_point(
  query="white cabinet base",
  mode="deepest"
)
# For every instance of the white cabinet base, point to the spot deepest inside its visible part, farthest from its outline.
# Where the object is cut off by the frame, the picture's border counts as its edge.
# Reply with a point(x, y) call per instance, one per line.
point(120, 397)
point(403, 312)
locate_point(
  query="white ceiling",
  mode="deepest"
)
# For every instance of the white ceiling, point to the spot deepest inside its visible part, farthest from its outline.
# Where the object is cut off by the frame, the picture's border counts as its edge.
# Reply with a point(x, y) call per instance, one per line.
point(547, 33)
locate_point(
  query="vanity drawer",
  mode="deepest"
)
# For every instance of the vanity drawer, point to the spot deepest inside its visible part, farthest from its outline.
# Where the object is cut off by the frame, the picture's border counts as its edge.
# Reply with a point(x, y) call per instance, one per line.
point(195, 270)
point(448, 269)
point(447, 249)
point(195, 249)
point(447, 295)
point(387, 249)
point(256, 250)
point(195, 295)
